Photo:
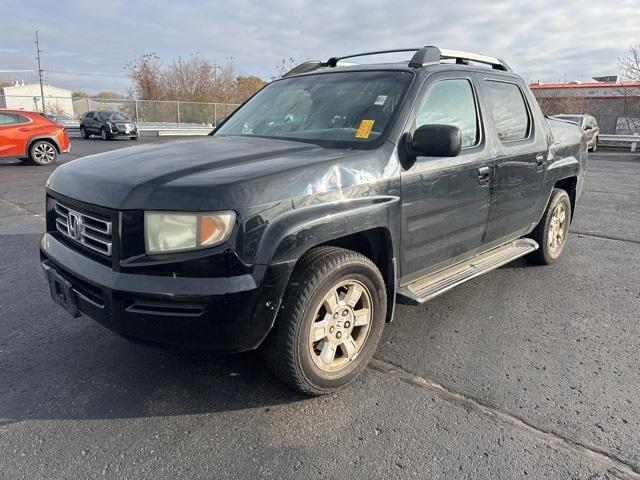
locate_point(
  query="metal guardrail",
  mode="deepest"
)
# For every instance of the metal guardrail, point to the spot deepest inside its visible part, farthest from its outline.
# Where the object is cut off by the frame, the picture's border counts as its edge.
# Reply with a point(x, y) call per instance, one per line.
point(631, 139)
point(158, 131)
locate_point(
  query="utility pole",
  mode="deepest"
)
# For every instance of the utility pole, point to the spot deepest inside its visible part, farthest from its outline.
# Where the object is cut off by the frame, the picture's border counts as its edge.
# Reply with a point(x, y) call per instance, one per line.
point(40, 71)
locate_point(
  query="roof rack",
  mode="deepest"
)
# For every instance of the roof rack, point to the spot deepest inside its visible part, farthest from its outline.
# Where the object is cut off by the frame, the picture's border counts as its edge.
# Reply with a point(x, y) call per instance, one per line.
point(424, 56)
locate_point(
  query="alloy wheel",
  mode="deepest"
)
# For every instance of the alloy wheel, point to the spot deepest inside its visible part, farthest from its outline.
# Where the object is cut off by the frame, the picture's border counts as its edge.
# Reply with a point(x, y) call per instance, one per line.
point(557, 229)
point(44, 153)
point(341, 325)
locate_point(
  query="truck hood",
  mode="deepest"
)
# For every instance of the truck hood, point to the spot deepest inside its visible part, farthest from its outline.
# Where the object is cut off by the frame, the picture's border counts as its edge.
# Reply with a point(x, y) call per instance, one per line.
point(207, 173)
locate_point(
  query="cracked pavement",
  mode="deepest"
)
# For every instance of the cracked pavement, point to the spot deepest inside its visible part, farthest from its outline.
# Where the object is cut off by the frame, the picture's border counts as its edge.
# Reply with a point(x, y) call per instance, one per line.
point(524, 373)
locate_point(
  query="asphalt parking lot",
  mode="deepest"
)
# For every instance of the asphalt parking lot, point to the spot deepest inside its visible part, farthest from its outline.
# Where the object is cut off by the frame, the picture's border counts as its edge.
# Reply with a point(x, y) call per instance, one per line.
point(525, 373)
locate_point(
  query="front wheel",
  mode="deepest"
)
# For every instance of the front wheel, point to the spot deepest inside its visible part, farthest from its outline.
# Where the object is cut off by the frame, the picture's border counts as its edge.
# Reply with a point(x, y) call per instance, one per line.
point(330, 322)
point(103, 134)
point(553, 230)
point(595, 145)
point(83, 133)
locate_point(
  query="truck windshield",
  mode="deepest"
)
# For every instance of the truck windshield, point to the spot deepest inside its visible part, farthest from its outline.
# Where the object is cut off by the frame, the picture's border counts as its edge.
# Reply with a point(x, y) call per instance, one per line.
point(342, 109)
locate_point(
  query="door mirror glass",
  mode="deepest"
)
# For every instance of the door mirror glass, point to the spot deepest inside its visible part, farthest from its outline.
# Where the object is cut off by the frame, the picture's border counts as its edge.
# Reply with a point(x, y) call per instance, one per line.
point(433, 140)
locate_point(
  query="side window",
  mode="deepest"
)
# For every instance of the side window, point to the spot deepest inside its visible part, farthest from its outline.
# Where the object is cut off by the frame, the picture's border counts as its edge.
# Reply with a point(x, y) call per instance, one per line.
point(8, 119)
point(509, 111)
point(20, 119)
point(451, 102)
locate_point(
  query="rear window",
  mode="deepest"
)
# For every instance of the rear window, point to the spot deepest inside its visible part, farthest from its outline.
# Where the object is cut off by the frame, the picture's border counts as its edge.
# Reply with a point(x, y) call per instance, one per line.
point(509, 111)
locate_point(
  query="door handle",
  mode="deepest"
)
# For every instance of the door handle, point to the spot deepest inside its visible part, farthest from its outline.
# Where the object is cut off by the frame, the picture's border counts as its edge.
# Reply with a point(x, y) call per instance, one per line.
point(483, 173)
point(539, 160)
point(25, 129)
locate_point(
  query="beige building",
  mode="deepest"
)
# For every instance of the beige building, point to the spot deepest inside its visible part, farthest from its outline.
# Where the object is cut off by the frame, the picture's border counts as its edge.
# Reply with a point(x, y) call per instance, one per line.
point(27, 97)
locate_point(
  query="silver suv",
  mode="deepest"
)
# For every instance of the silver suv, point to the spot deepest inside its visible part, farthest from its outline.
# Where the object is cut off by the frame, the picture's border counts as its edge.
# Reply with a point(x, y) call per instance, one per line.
point(589, 125)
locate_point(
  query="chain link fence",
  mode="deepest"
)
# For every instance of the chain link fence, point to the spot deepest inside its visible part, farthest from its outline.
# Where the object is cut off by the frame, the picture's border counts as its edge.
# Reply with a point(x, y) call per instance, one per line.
point(162, 113)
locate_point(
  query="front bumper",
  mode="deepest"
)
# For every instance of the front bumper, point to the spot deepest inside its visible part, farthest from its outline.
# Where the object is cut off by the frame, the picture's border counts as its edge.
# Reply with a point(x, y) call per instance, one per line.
point(119, 131)
point(222, 314)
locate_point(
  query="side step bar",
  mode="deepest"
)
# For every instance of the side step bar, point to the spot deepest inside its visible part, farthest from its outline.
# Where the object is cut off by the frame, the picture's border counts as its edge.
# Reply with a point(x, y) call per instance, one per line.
point(430, 286)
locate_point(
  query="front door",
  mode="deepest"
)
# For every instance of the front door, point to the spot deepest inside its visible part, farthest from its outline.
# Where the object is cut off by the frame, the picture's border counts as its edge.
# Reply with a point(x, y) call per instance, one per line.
point(445, 201)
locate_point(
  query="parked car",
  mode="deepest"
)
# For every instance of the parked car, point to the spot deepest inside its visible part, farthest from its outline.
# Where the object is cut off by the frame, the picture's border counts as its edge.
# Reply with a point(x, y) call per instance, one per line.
point(107, 125)
point(588, 124)
point(331, 194)
point(31, 137)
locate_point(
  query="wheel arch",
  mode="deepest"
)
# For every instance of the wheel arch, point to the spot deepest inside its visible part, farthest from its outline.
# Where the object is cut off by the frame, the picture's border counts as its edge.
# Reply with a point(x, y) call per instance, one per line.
point(365, 225)
point(377, 245)
point(45, 138)
point(569, 185)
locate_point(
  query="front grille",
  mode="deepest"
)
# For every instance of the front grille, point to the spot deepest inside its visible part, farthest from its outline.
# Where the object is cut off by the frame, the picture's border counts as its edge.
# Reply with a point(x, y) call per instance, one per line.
point(93, 232)
point(125, 126)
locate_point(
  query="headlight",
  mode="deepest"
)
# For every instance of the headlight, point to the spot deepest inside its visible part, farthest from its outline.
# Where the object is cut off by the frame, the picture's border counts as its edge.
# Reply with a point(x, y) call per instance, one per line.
point(167, 232)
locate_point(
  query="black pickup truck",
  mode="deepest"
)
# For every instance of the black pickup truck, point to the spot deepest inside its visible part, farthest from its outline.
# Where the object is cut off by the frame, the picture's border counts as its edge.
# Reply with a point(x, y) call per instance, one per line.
point(327, 197)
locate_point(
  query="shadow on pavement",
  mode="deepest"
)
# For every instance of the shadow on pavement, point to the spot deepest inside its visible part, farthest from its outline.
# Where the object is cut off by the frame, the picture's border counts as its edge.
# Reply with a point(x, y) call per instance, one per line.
point(53, 366)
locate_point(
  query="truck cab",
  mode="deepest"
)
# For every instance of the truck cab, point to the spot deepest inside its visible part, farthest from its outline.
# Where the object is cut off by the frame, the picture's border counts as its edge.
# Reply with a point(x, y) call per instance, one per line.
point(323, 200)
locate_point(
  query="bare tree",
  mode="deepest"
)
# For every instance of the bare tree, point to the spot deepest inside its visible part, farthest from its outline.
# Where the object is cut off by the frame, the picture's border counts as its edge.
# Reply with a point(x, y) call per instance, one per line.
point(283, 67)
point(145, 74)
point(629, 65)
point(196, 82)
point(195, 79)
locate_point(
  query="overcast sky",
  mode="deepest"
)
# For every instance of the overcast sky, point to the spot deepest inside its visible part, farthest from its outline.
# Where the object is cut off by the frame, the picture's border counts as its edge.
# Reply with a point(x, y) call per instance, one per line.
point(86, 44)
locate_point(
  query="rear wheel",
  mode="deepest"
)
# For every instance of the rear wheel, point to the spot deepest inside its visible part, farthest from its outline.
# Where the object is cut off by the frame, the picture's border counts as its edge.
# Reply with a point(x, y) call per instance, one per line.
point(83, 133)
point(553, 230)
point(42, 152)
point(330, 323)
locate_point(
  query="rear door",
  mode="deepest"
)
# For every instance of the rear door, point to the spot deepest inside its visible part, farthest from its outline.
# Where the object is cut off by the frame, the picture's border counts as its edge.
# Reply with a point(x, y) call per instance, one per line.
point(15, 131)
point(445, 201)
point(520, 156)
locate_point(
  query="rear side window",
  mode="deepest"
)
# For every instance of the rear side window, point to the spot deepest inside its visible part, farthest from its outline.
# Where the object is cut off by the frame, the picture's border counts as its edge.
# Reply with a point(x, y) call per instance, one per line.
point(509, 111)
point(12, 119)
point(451, 102)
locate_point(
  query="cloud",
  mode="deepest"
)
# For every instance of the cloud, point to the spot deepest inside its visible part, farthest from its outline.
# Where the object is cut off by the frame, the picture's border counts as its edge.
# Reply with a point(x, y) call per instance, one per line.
point(544, 40)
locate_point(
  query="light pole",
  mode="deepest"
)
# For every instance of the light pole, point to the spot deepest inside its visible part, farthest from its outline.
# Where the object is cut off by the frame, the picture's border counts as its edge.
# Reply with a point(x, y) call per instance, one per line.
point(37, 42)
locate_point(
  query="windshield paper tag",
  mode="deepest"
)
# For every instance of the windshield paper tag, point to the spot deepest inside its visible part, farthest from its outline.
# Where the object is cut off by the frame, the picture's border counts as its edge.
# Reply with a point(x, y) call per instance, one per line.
point(364, 130)
point(380, 100)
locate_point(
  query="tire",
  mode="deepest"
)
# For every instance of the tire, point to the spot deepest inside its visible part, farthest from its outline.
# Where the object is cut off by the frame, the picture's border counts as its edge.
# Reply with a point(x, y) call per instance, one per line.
point(134, 137)
point(595, 145)
point(84, 134)
point(318, 299)
point(104, 135)
point(42, 153)
point(552, 231)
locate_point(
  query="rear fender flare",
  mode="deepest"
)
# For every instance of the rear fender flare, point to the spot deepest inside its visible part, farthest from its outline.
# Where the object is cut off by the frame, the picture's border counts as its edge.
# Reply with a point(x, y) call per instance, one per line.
point(42, 137)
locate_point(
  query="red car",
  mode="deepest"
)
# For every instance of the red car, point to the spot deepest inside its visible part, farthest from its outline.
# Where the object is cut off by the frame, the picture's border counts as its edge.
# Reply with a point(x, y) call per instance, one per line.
point(31, 136)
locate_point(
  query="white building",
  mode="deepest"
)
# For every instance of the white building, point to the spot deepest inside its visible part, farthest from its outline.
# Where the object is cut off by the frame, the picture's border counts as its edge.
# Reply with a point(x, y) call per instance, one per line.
point(27, 97)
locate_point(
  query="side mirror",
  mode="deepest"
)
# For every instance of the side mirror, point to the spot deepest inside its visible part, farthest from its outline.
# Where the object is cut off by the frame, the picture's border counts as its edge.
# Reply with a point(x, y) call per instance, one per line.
point(435, 141)
point(588, 127)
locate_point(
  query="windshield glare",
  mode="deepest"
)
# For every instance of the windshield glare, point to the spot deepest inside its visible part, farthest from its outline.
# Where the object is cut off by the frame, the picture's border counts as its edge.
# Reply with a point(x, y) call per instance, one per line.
point(347, 108)
point(115, 116)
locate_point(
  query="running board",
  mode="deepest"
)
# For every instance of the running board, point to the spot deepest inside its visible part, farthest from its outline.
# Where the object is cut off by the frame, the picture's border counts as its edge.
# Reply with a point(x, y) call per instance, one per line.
point(430, 286)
